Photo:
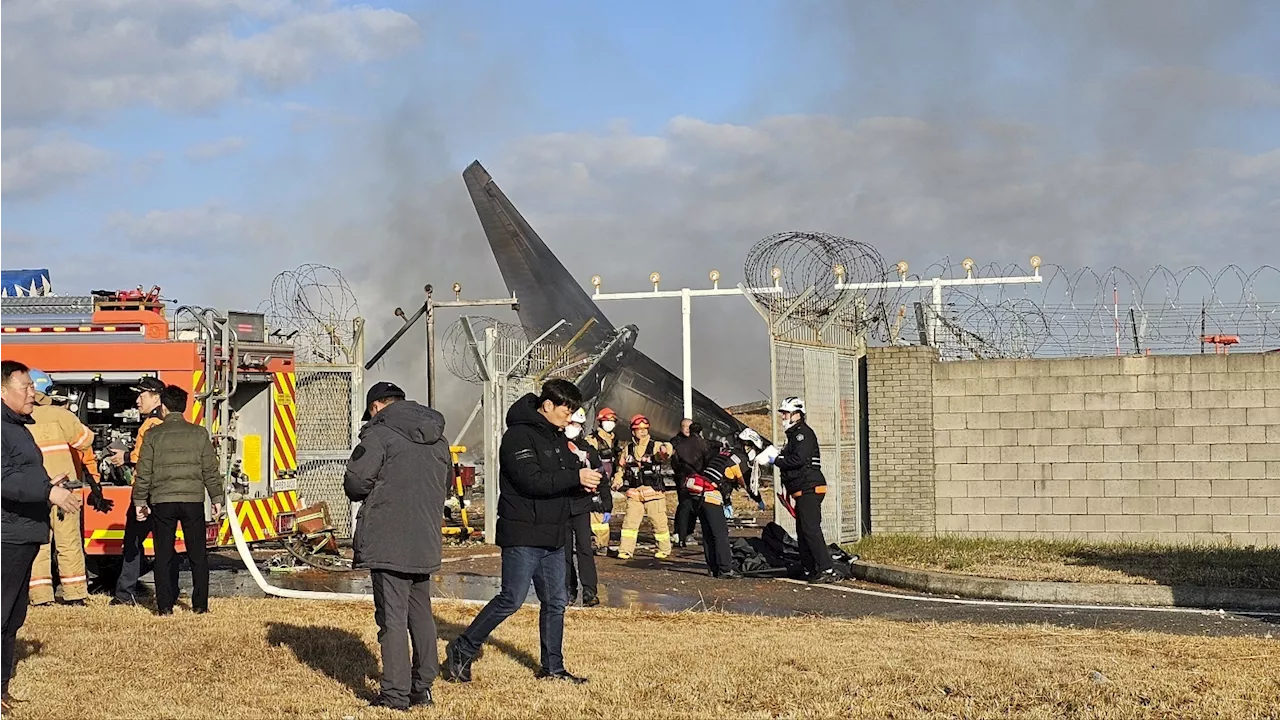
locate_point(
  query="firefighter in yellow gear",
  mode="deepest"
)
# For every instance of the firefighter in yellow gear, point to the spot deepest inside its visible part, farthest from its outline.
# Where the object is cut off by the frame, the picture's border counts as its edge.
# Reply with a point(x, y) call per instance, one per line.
point(605, 443)
point(638, 472)
point(67, 447)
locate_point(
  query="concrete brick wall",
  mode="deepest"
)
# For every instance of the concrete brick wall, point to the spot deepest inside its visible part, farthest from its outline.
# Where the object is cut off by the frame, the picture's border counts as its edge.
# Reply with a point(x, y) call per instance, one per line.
point(1173, 449)
point(900, 417)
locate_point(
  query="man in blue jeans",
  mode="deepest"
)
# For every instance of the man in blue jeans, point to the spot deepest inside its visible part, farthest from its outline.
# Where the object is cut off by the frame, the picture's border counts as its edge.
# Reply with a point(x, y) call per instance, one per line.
point(539, 475)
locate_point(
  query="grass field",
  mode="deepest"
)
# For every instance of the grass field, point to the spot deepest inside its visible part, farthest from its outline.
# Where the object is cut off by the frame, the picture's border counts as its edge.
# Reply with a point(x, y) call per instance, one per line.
point(1080, 562)
point(275, 658)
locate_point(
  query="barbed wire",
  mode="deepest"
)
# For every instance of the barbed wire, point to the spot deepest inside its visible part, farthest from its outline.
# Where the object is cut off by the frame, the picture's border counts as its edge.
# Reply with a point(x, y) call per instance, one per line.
point(511, 343)
point(1086, 312)
point(809, 259)
point(315, 305)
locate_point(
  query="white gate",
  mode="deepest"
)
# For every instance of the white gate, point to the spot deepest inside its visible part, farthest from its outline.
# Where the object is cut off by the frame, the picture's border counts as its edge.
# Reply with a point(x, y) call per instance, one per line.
point(827, 379)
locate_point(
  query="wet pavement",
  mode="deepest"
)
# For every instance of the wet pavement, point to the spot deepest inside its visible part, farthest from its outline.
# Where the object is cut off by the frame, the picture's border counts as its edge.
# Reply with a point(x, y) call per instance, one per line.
point(681, 584)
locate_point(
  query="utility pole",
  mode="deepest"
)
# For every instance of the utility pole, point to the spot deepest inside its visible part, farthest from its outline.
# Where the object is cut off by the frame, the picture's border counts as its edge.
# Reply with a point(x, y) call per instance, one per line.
point(429, 309)
point(686, 296)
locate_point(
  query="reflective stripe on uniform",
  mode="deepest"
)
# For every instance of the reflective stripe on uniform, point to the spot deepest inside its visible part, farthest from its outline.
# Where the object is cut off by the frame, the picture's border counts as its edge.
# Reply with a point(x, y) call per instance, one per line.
point(820, 490)
point(630, 533)
point(36, 582)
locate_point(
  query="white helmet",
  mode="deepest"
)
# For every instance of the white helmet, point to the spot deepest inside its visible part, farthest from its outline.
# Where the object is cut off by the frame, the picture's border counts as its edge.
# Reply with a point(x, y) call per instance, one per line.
point(792, 404)
point(579, 417)
point(753, 437)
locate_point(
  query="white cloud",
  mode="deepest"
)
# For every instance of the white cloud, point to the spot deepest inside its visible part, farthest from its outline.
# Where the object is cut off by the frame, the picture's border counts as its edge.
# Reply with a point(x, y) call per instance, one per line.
point(182, 227)
point(36, 165)
point(216, 148)
point(78, 59)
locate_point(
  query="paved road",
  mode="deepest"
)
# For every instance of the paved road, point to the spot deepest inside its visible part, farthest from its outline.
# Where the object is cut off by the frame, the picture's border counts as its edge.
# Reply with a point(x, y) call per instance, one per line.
point(681, 583)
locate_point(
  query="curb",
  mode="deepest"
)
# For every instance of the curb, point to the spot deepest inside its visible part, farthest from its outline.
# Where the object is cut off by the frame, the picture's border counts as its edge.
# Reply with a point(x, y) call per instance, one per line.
point(1192, 596)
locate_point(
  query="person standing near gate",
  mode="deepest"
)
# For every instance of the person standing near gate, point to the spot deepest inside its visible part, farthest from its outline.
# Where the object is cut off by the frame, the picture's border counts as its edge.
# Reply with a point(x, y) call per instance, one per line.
point(27, 491)
point(176, 468)
point(801, 464)
point(400, 473)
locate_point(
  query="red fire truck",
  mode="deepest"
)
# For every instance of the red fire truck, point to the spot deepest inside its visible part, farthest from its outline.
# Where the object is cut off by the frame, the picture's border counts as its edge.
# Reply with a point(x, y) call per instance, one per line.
point(241, 381)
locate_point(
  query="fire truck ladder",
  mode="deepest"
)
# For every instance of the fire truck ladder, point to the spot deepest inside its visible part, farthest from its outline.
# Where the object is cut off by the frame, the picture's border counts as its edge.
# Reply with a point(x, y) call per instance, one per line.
point(221, 358)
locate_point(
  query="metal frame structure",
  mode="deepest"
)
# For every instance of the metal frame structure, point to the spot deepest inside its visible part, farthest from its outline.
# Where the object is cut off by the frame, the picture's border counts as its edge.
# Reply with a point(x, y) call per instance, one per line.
point(429, 309)
point(686, 296)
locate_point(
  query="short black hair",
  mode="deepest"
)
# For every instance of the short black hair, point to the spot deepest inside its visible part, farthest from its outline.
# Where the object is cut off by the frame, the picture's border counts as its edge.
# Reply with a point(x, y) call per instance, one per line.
point(695, 428)
point(173, 398)
point(10, 368)
point(561, 392)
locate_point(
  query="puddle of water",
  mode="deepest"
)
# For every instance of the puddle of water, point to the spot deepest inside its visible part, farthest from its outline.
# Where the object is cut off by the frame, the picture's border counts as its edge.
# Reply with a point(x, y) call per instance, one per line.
point(238, 583)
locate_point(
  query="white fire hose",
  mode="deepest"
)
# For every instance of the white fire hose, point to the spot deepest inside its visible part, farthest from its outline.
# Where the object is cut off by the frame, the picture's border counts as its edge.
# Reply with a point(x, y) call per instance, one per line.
point(233, 519)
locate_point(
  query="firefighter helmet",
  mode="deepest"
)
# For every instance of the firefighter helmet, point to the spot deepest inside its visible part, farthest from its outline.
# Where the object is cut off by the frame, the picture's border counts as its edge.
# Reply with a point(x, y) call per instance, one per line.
point(41, 380)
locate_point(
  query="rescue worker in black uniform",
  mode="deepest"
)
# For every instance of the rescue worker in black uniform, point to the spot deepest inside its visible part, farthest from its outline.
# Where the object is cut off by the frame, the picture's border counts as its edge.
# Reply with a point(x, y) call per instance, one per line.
point(801, 464)
point(581, 508)
point(710, 486)
point(692, 453)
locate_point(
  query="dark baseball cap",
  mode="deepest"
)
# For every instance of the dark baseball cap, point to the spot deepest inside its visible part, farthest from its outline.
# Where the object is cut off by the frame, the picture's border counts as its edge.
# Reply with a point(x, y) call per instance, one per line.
point(148, 384)
point(381, 391)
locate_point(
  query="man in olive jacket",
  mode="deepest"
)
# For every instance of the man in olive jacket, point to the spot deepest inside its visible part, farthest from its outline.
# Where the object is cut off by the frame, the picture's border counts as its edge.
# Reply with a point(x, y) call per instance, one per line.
point(400, 473)
point(176, 467)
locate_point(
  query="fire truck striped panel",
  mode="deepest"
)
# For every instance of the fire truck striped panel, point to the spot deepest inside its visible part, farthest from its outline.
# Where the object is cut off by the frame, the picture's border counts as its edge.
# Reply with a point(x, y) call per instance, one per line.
point(258, 517)
point(111, 542)
point(197, 406)
point(284, 423)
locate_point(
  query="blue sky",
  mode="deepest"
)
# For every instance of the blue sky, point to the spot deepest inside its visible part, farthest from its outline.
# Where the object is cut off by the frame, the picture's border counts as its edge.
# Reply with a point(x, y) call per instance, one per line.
point(577, 66)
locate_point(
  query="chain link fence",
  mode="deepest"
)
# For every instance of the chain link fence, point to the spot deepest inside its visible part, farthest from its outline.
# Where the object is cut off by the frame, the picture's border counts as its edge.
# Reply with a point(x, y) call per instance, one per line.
point(329, 399)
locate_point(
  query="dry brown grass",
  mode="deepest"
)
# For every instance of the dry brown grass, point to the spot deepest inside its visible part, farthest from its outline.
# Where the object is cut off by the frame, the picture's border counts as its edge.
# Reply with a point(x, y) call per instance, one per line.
point(275, 658)
point(1067, 561)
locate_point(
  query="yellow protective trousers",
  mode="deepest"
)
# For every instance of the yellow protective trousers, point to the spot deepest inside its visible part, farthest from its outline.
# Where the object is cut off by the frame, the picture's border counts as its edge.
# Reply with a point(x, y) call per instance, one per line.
point(69, 542)
point(600, 529)
point(655, 507)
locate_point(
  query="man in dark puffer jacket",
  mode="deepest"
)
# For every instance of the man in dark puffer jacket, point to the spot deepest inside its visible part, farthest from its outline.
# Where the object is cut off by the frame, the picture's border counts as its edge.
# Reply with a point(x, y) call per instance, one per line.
point(538, 477)
point(400, 473)
point(28, 492)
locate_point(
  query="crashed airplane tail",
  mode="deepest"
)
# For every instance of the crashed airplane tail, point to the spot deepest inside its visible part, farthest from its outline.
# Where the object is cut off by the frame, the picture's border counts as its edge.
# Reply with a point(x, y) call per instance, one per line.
point(623, 378)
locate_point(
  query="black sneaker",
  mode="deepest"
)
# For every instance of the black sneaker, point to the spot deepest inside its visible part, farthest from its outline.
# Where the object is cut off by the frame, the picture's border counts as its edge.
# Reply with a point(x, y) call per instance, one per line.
point(561, 675)
point(382, 702)
point(731, 575)
point(825, 576)
point(421, 698)
point(456, 666)
point(590, 599)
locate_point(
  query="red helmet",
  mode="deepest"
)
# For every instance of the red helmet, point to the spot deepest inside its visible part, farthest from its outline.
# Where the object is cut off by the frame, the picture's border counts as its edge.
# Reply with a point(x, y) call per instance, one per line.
point(606, 414)
point(638, 421)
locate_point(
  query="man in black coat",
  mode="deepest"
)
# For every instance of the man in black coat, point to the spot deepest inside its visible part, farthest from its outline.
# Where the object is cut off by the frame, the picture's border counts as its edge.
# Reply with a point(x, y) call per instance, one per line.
point(801, 464)
point(538, 476)
point(28, 492)
point(400, 473)
point(692, 453)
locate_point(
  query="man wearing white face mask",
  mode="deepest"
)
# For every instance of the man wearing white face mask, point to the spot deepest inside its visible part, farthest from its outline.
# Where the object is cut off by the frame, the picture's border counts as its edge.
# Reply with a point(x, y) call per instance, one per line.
point(801, 464)
point(579, 544)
